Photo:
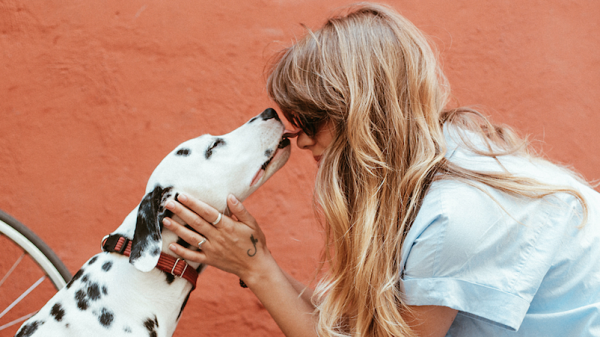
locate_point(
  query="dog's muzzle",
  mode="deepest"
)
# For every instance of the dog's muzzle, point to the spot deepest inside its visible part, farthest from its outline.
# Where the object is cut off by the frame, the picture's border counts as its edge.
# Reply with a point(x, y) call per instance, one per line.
point(283, 143)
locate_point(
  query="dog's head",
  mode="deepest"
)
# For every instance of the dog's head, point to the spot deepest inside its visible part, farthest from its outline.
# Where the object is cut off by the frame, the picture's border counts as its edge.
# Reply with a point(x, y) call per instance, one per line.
point(209, 168)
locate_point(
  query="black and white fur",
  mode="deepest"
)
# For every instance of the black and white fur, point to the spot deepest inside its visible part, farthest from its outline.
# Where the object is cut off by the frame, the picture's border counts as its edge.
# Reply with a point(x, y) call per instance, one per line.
point(113, 295)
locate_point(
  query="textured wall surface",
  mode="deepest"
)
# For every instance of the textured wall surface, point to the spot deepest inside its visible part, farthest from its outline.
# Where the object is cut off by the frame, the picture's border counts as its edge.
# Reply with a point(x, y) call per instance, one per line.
point(93, 94)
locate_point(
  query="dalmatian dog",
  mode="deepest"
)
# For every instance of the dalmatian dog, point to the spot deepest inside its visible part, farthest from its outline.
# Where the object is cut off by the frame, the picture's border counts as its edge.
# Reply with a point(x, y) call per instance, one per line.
point(118, 295)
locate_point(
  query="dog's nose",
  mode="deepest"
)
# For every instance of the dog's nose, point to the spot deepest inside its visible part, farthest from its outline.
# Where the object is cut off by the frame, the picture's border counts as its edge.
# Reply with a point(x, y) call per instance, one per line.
point(268, 114)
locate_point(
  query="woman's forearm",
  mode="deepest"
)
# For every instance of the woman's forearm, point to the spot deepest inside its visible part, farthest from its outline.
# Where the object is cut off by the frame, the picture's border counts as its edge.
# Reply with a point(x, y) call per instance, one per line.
point(280, 295)
point(302, 289)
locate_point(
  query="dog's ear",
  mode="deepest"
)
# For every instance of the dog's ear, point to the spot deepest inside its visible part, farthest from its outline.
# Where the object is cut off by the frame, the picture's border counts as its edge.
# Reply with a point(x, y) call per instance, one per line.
point(147, 239)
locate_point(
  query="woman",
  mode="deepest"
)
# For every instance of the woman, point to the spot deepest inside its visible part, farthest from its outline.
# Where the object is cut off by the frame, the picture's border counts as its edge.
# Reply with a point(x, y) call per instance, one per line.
point(437, 221)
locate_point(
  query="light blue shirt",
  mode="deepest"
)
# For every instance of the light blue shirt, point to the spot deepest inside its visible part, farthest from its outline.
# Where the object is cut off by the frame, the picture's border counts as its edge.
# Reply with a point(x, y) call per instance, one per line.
point(511, 266)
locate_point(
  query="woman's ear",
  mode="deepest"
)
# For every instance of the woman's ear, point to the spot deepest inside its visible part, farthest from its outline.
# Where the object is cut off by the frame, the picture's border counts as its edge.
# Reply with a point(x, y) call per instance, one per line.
point(147, 240)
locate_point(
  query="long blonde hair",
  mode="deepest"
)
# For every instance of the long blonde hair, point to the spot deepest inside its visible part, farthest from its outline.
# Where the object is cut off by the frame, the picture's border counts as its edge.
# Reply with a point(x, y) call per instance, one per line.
point(371, 74)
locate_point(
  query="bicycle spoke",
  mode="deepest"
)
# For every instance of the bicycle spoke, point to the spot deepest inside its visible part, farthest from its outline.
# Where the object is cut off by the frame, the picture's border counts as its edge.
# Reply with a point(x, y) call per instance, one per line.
point(37, 283)
point(36, 259)
point(18, 320)
point(12, 268)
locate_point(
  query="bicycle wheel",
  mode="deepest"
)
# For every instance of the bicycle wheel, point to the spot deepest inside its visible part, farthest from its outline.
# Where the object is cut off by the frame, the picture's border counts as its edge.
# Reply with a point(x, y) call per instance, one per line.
point(30, 274)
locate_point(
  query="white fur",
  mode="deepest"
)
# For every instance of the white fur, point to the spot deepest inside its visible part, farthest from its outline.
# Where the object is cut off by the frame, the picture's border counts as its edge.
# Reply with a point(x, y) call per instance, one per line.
point(132, 295)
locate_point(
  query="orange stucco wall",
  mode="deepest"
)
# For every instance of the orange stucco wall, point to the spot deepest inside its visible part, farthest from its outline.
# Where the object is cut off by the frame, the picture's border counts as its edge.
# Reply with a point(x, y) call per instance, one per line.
point(94, 93)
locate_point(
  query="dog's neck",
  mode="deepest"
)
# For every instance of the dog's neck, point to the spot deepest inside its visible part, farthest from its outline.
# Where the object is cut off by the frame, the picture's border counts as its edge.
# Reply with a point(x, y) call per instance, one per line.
point(127, 229)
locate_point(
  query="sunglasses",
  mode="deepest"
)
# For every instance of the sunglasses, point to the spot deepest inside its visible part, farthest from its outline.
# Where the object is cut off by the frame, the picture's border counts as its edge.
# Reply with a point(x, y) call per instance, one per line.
point(310, 126)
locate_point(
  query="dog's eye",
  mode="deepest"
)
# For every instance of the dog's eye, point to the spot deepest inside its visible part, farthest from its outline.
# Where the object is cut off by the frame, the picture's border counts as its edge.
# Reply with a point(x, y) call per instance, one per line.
point(217, 142)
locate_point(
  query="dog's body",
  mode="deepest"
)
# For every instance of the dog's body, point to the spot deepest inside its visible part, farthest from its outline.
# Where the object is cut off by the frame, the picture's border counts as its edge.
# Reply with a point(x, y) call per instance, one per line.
point(113, 295)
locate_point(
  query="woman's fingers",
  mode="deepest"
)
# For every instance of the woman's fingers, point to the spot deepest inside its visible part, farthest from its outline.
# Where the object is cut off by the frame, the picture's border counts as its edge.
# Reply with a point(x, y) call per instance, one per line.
point(236, 208)
point(187, 235)
point(191, 255)
point(189, 217)
point(207, 213)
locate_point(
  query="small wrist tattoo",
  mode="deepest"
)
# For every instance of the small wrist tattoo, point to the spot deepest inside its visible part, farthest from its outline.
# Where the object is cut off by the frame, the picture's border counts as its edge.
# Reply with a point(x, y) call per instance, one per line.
point(254, 241)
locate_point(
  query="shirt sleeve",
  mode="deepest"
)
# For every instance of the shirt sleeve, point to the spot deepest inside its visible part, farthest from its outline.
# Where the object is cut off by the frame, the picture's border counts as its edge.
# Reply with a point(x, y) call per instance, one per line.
point(478, 251)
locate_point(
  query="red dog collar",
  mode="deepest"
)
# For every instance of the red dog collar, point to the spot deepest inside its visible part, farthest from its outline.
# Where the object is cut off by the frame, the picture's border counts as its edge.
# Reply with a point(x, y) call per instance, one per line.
point(177, 267)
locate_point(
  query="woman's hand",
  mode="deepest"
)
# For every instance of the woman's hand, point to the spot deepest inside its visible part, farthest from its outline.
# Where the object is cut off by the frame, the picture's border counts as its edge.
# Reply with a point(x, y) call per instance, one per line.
point(234, 244)
point(237, 245)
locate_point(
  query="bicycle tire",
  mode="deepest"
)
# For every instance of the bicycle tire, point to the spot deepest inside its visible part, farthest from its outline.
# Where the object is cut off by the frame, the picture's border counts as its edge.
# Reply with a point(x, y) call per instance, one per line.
point(39, 251)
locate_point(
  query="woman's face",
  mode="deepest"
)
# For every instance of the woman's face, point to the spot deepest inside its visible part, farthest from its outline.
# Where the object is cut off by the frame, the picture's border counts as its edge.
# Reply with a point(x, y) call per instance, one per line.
point(316, 144)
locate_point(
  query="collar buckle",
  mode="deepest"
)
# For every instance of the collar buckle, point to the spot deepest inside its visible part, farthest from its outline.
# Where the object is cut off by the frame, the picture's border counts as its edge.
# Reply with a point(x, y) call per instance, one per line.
point(185, 265)
point(103, 242)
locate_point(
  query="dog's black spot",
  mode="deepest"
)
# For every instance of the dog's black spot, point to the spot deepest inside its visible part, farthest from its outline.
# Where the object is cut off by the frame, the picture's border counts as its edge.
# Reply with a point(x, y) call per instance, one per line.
point(92, 260)
point(252, 120)
point(155, 252)
point(82, 302)
point(85, 278)
point(151, 325)
point(127, 329)
point(107, 265)
point(104, 290)
point(29, 329)
point(170, 277)
point(268, 153)
point(75, 278)
point(106, 317)
point(57, 312)
point(67, 325)
point(93, 292)
point(183, 152)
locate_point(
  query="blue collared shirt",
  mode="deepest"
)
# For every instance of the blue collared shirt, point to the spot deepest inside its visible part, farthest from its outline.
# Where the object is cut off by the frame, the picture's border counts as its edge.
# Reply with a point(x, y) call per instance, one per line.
point(511, 266)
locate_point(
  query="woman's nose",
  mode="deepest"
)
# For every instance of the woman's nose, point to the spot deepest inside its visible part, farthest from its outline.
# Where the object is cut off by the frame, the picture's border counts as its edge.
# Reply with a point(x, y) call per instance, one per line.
point(303, 141)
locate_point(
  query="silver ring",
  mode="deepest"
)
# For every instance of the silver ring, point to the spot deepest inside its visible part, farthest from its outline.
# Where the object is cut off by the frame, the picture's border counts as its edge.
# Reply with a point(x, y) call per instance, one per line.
point(218, 219)
point(201, 242)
